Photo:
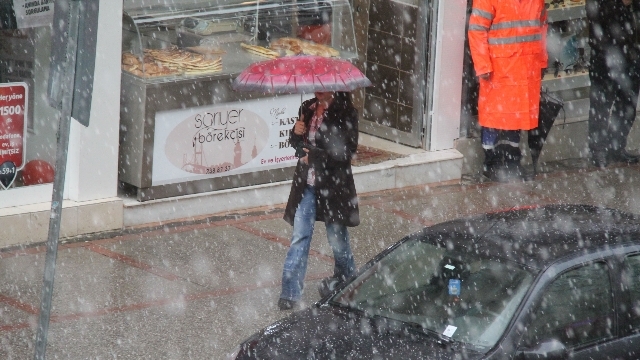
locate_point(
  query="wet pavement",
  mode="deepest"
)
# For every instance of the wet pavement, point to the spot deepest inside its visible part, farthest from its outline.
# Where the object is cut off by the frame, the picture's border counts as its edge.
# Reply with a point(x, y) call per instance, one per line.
point(195, 289)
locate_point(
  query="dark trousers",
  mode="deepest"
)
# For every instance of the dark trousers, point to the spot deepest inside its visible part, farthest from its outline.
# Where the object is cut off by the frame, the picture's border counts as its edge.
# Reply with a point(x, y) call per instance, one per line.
point(500, 147)
point(613, 101)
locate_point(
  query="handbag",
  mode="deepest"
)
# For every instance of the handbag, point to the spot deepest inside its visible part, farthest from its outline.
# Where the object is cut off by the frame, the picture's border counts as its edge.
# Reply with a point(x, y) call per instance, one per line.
point(550, 106)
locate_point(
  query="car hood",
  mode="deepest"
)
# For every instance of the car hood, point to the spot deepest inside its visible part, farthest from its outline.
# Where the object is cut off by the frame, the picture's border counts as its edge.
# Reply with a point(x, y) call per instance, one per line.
point(334, 333)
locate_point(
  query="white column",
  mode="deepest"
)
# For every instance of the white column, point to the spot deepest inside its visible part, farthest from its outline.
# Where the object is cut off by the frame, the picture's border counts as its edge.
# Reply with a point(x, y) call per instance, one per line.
point(447, 91)
point(92, 167)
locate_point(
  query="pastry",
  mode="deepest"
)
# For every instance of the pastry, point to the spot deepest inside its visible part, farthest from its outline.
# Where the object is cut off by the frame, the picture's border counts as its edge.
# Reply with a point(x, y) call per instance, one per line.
point(129, 59)
point(260, 51)
point(294, 46)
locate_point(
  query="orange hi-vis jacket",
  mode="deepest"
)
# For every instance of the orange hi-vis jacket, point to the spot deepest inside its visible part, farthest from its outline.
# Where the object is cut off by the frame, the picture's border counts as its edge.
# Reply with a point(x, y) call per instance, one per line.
point(507, 39)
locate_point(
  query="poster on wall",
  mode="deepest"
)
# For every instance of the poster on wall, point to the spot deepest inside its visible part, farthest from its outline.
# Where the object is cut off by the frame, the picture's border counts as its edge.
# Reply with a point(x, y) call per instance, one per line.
point(33, 13)
point(226, 139)
point(13, 101)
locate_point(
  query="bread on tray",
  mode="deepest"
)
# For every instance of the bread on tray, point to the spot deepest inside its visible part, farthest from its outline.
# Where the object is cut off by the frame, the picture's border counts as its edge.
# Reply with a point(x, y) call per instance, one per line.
point(295, 46)
point(172, 61)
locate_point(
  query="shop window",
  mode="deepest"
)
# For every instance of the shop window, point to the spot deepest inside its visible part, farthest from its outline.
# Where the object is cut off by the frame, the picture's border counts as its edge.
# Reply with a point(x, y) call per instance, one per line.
point(24, 59)
point(178, 63)
point(17, 60)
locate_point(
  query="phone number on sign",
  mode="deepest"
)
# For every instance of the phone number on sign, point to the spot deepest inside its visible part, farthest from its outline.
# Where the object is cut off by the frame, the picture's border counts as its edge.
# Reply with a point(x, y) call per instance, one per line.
point(218, 169)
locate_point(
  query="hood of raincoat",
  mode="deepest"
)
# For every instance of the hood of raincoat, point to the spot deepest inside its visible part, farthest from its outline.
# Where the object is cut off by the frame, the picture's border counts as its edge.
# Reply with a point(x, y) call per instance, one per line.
point(328, 332)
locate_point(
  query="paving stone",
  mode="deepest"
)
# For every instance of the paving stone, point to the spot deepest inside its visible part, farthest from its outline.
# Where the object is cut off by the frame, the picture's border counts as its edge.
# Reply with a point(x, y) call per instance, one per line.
point(216, 258)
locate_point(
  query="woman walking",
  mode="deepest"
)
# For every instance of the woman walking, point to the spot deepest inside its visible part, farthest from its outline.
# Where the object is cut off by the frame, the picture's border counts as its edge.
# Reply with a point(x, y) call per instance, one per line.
point(322, 190)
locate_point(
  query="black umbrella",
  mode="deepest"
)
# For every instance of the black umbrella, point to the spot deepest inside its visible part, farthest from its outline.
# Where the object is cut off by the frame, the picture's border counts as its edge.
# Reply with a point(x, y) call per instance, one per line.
point(550, 106)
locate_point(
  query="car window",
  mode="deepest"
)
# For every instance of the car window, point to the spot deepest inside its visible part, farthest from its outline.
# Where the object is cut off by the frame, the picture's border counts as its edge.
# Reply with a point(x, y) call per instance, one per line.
point(576, 308)
point(464, 296)
point(631, 284)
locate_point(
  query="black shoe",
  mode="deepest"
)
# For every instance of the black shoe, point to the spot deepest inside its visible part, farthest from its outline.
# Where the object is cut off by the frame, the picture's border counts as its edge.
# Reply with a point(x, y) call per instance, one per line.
point(625, 157)
point(508, 173)
point(491, 172)
point(500, 174)
point(529, 174)
point(599, 159)
point(327, 286)
point(284, 304)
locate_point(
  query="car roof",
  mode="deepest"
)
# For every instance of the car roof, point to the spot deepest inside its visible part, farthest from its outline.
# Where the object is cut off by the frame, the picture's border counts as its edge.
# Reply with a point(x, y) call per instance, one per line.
point(537, 236)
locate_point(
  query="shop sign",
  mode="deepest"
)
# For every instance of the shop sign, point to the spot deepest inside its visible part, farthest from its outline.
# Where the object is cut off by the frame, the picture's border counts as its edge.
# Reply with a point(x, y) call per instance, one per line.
point(13, 105)
point(225, 139)
point(33, 13)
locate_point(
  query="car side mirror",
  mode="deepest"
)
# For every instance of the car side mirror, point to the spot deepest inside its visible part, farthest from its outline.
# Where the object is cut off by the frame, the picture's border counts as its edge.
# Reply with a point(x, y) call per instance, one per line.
point(550, 349)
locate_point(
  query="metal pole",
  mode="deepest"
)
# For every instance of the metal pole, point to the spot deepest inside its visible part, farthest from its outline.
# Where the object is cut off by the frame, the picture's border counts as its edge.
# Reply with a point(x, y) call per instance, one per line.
point(256, 30)
point(58, 184)
point(294, 17)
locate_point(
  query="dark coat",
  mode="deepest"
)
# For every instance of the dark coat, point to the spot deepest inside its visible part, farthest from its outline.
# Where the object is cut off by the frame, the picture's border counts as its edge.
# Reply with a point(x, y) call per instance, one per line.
point(336, 143)
point(613, 29)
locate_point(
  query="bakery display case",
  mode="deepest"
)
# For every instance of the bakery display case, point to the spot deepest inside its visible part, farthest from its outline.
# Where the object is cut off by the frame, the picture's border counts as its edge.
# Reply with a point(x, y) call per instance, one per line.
point(224, 37)
point(179, 59)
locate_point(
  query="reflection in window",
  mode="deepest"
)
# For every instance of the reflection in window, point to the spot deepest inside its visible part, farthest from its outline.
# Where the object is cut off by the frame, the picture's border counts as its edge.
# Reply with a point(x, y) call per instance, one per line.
point(575, 309)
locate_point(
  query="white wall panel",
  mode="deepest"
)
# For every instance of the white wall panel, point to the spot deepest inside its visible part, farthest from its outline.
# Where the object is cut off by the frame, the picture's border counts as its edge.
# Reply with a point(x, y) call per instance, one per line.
point(447, 91)
point(92, 166)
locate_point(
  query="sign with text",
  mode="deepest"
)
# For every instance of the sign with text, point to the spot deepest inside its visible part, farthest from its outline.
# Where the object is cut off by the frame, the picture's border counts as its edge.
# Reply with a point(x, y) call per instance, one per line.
point(13, 108)
point(225, 139)
point(33, 13)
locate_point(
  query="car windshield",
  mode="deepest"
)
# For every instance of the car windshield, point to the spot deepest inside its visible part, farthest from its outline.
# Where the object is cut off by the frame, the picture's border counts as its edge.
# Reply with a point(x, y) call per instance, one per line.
point(462, 296)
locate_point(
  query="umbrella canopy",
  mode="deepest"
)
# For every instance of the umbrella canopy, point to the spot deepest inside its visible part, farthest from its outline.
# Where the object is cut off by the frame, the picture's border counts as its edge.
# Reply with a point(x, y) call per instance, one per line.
point(301, 74)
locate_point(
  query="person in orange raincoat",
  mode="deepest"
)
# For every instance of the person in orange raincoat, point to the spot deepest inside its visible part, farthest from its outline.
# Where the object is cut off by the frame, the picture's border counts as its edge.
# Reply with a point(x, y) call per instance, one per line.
point(507, 39)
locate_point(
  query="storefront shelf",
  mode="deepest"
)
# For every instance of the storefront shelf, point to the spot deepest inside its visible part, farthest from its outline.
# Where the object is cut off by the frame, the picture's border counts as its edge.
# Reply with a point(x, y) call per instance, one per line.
point(234, 61)
point(574, 111)
point(565, 82)
point(566, 12)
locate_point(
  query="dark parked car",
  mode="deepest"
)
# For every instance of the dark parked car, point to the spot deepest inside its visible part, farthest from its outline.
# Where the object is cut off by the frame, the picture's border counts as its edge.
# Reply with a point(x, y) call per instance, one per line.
point(550, 282)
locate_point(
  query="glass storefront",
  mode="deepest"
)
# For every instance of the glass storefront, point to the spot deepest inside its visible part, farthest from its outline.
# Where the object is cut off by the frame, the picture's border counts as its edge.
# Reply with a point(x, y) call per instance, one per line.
point(566, 77)
point(132, 104)
point(24, 58)
point(29, 126)
point(178, 64)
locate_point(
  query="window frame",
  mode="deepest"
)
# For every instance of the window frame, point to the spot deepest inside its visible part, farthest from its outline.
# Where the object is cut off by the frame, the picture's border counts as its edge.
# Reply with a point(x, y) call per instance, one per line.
point(625, 300)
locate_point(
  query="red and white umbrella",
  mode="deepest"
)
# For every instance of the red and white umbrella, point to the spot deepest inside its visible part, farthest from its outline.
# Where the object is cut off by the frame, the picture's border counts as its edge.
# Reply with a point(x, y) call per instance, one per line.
point(301, 74)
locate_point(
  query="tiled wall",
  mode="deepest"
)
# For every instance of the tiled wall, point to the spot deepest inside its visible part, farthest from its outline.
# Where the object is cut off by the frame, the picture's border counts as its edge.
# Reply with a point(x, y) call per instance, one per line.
point(391, 51)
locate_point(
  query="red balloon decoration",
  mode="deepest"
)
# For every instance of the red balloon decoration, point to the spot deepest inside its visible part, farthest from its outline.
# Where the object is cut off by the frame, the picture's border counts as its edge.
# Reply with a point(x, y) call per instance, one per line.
point(37, 172)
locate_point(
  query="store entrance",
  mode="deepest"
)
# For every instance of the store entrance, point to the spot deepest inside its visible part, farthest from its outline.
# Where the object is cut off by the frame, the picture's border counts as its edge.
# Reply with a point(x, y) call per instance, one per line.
point(566, 78)
point(398, 37)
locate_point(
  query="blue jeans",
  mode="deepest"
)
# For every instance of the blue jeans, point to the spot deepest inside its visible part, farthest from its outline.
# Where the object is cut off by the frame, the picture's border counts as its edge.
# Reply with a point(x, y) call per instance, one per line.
point(295, 264)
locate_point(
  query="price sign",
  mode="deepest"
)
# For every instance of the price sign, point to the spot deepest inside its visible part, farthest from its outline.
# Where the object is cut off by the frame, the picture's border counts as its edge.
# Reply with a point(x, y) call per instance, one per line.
point(13, 107)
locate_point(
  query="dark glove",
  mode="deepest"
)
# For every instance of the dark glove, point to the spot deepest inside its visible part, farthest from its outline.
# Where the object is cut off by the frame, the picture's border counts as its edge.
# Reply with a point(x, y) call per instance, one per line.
point(300, 153)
